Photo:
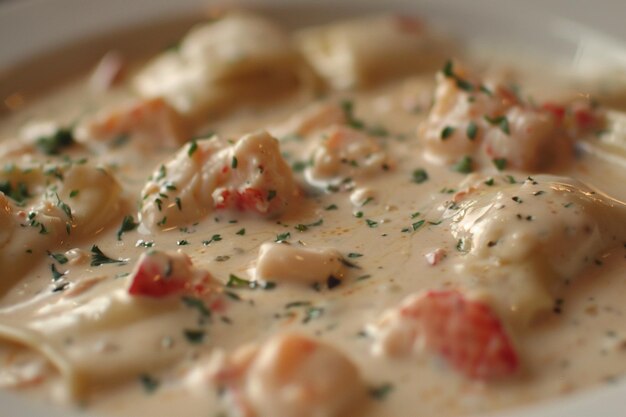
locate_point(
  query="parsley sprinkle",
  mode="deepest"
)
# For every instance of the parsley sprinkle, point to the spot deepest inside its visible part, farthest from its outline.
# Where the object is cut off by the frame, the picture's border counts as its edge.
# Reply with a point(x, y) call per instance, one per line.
point(196, 304)
point(354, 255)
point(271, 194)
point(99, 258)
point(464, 166)
point(417, 225)
point(128, 224)
point(59, 257)
point(489, 182)
point(282, 237)
point(371, 223)
point(348, 110)
point(381, 392)
point(234, 163)
point(471, 130)
point(53, 144)
point(501, 121)
point(235, 282)
point(331, 207)
point(56, 275)
point(500, 163)
point(150, 383)
point(182, 242)
point(194, 337)
point(193, 147)
point(447, 132)
point(241, 232)
point(419, 176)
point(312, 313)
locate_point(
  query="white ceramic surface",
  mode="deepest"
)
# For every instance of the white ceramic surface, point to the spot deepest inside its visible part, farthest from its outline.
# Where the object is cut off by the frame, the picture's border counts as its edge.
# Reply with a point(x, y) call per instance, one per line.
point(585, 35)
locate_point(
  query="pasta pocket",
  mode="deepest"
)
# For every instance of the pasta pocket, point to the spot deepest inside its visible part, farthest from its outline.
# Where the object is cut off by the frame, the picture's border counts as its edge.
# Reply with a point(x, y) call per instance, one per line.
point(239, 57)
point(365, 51)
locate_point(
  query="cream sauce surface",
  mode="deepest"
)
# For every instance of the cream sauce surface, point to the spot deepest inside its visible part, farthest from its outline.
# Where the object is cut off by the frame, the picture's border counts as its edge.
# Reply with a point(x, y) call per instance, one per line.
point(129, 356)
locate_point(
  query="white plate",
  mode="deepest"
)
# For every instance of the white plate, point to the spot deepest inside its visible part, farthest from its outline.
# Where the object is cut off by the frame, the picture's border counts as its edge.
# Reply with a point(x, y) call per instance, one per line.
point(585, 35)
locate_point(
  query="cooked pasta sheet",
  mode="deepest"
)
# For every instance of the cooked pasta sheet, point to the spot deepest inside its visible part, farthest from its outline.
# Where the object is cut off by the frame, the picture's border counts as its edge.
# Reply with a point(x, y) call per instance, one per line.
point(353, 219)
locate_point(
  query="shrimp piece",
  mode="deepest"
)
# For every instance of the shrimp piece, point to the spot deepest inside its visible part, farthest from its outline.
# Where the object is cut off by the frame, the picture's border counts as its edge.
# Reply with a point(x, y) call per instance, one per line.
point(160, 274)
point(466, 333)
point(289, 376)
point(249, 176)
point(491, 124)
point(346, 152)
point(150, 123)
point(44, 206)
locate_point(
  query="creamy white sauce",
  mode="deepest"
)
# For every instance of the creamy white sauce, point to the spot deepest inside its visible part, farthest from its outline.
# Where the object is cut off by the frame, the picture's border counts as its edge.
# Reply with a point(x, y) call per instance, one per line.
point(128, 357)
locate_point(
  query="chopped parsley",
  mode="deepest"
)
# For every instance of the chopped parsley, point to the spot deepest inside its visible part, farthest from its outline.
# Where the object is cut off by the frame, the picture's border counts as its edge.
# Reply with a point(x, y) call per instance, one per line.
point(59, 257)
point(464, 166)
point(18, 193)
point(381, 392)
point(53, 144)
point(194, 336)
point(447, 132)
point(214, 238)
point(501, 121)
point(500, 163)
point(331, 207)
point(128, 224)
point(419, 175)
point(234, 163)
point(283, 237)
point(312, 313)
point(471, 131)
point(193, 147)
point(348, 110)
point(448, 71)
point(236, 282)
point(196, 304)
point(241, 232)
point(56, 275)
point(371, 223)
point(99, 258)
point(149, 383)
point(271, 194)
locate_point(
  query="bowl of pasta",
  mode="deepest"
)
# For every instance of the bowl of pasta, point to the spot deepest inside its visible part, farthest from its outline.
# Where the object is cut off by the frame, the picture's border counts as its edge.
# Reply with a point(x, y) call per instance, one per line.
point(278, 209)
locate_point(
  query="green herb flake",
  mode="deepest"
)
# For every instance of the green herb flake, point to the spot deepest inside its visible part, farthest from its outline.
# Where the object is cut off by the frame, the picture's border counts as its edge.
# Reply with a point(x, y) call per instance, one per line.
point(419, 176)
point(371, 223)
point(182, 242)
point(464, 166)
point(53, 144)
point(149, 383)
point(501, 121)
point(236, 282)
point(331, 207)
point(500, 163)
point(312, 313)
point(282, 237)
point(194, 336)
point(446, 132)
point(128, 224)
point(56, 275)
point(417, 225)
point(193, 147)
point(99, 258)
point(381, 392)
point(354, 255)
point(489, 182)
point(74, 193)
point(234, 163)
point(241, 232)
point(471, 131)
point(59, 257)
